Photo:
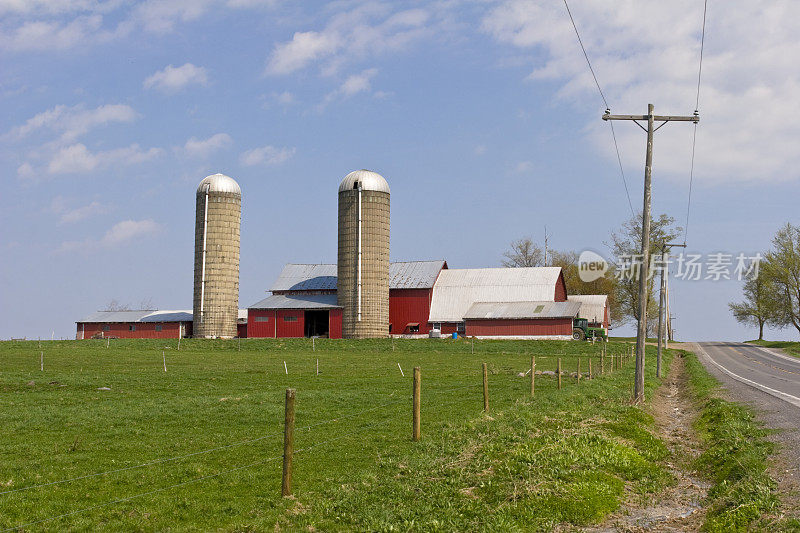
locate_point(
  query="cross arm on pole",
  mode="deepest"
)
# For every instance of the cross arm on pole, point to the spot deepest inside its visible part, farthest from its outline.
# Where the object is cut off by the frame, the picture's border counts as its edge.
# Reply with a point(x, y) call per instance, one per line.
point(658, 118)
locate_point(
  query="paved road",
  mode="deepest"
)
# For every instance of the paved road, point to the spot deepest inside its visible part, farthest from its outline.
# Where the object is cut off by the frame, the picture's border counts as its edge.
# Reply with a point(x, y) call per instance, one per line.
point(769, 371)
point(768, 381)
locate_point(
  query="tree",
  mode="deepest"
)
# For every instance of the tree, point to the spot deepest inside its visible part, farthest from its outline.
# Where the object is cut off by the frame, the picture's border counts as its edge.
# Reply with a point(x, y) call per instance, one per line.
point(114, 305)
point(523, 253)
point(782, 270)
point(568, 261)
point(758, 307)
point(626, 243)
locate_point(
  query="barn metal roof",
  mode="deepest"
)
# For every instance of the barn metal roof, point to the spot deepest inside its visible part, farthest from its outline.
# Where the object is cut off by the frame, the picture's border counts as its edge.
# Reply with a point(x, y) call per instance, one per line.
point(414, 274)
point(322, 277)
point(457, 289)
point(520, 310)
point(593, 306)
point(370, 181)
point(295, 277)
point(146, 316)
point(297, 301)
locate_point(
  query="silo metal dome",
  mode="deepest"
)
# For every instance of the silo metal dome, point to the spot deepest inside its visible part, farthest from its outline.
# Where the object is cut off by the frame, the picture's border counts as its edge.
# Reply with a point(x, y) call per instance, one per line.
point(219, 183)
point(218, 210)
point(363, 255)
point(369, 180)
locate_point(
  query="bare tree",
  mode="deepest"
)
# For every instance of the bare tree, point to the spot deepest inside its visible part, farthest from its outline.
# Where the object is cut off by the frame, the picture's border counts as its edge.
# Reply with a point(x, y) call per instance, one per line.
point(114, 305)
point(147, 304)
point(523, 253)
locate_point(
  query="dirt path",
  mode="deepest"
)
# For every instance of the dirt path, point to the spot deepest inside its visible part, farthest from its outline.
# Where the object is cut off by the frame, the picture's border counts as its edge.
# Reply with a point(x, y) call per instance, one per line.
point(678, 508)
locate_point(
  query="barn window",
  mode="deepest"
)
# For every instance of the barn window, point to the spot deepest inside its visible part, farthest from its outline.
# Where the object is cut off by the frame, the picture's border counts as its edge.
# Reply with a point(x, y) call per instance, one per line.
point(290, 319)
point(158, 327)
point(461, 327)
point(106, 328)
point(262, 319)
point(538, 309)
point(414, 329)
point(132, 327)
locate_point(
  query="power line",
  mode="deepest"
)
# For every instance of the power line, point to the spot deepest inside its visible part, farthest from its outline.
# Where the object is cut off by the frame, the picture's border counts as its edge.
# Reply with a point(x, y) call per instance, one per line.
point(608, 107)
point(696, 110)
point(585, 54)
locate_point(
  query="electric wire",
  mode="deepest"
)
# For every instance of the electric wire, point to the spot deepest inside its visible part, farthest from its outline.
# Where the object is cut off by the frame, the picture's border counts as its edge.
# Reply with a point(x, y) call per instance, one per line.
point(608, 107)
point(201, 452)
point(696, 110)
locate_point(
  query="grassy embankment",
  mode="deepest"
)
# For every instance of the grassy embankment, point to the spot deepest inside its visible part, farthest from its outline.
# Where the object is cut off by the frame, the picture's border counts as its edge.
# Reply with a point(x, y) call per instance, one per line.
point(790, 347)
point(568, 456)
point(735, 457)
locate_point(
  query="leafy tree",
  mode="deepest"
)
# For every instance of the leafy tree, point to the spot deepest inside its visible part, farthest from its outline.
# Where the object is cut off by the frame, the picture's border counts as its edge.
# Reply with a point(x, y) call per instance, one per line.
point(782, 271)
point(758, 307)
point(568, 261)
point(626, 243)
point(523, 253)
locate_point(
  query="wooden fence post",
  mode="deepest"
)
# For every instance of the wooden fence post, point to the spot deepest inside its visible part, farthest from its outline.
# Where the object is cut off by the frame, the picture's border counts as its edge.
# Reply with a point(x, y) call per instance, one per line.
point(602, 363)
point(485, 389)
point(579, 371)
point(288, 443)
point(533, 374)
point(415, 433)
point(590, 368)
point(558, 371)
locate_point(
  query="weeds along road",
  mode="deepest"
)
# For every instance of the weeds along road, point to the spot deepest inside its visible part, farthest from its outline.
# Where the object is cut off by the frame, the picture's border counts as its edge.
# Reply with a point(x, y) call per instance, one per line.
point(768, 381)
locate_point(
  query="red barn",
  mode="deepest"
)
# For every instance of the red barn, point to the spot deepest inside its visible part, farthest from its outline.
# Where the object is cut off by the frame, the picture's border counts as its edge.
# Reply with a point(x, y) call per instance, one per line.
point(145, 324)
point(594, 308)
point(503, 302)
point(304, 301)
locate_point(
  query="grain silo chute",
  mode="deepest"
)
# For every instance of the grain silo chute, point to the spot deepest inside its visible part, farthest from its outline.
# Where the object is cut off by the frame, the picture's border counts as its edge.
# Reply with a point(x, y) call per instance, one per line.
point(216, 257)
point(363, 255)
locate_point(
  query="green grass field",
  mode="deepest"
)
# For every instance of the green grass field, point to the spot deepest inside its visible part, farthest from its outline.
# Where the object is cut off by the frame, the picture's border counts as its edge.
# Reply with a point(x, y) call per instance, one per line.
point(199, 446)
point(790, 347)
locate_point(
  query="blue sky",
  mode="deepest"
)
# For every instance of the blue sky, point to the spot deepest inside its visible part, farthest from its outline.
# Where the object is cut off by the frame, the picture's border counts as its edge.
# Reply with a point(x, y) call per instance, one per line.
point(482, 116)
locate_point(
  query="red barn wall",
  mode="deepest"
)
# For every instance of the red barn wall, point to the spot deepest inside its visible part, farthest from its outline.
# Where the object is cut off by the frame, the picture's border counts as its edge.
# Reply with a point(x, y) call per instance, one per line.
point(258, 328)
point(294, 328)
point(144, 330)
point(409, 306)
point(535, 326)
point(241, 330)
point(335, 323)
point(561, 289)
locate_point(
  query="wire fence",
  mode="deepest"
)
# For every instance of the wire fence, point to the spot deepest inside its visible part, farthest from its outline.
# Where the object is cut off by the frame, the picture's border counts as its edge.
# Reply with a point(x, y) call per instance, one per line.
point(443, 397)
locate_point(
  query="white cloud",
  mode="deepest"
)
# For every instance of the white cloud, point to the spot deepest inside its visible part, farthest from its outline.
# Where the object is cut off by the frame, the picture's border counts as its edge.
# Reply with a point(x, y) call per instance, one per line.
point(119, 233)
point(352, 85)
point(25, 171)
point(161, 16)
point(48, 36)
point(367, 30)
point(750, 80)
point(304, 48)
point(67, 215)
point(480, 149)
point(77, 159)
point(195, 147)
point(173, 79)
point(266, 155)
point(72, 122)
point(523, 167)
point(128, 229)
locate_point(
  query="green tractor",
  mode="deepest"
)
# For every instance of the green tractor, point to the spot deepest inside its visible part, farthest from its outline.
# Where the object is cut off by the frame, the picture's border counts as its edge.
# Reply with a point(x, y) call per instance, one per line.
point(581, 331)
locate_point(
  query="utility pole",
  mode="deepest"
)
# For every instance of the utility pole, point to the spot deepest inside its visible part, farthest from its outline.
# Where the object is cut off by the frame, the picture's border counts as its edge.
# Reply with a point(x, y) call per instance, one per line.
point(662, 295)
point(641, 333)
point(545, 245)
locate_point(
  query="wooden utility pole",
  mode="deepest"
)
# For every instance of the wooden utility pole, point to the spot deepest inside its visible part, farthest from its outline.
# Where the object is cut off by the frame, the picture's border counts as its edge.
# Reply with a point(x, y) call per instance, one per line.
point(641, 333)
point(661, 300)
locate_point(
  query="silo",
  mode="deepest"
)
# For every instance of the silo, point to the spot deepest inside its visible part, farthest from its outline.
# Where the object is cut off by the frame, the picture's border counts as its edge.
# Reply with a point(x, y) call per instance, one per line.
point(216, 257)
point(363, 262)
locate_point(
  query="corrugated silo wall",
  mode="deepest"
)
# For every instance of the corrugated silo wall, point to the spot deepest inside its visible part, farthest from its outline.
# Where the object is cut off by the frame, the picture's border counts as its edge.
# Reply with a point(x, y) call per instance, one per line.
point(374, 264)
point(221, 295)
